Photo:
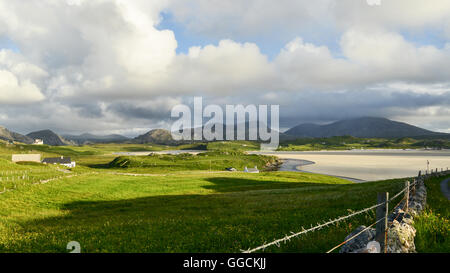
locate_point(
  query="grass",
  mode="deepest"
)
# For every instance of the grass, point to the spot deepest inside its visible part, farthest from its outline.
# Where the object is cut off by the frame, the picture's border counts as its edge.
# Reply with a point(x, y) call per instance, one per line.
point(174, 203)
point(13, 175)
point(233, 146)
point(433, 225)
point(215, 161)
point(192, 212)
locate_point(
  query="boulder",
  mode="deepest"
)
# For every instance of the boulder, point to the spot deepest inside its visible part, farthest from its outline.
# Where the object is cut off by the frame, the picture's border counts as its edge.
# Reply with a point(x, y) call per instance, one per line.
point(360, 242)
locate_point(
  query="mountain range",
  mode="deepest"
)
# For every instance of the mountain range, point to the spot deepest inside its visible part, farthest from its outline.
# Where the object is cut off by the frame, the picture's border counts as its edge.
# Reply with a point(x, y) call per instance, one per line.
point(90, 138)
point(7, 135)
point(365, 127)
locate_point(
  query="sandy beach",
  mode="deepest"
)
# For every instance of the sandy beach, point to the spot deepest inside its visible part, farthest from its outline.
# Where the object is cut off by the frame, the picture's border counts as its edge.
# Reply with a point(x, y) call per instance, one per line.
point(369, 165)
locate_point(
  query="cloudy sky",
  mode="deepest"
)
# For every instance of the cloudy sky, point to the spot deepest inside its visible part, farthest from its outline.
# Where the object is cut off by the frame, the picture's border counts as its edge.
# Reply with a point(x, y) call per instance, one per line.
point(119, 66)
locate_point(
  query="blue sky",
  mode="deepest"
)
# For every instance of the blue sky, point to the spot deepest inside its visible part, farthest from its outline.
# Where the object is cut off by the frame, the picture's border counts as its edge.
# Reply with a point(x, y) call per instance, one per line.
point(6, 43)
point(269, 44)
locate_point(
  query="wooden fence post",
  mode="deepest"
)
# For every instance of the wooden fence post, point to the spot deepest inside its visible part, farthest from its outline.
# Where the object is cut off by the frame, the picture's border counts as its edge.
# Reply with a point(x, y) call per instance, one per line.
point(406, 196)
point(382, 211)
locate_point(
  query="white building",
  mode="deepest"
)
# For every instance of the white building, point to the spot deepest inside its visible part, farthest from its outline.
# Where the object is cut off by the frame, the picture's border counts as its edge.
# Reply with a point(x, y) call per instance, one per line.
point(38, 142)
point(65, 161)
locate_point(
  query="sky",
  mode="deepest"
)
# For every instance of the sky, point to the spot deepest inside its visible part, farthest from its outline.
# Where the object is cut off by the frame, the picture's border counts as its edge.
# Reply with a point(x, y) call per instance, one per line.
point(119, 66)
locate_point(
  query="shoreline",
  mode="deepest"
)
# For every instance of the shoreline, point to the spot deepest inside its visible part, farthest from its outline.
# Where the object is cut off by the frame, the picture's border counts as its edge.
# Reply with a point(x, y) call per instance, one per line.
point(294, 165)
point(365, 165)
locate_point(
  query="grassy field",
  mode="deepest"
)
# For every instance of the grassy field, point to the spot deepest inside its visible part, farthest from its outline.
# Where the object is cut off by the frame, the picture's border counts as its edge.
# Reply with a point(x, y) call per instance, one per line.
point(173, 203)
point(214, 161)
point(433, 226)
point(194, 212)
point(13, 175)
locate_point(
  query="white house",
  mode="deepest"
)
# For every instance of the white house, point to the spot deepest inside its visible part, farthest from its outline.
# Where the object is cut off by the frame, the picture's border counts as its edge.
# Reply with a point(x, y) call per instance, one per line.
point(65, 161)
point(38, 142)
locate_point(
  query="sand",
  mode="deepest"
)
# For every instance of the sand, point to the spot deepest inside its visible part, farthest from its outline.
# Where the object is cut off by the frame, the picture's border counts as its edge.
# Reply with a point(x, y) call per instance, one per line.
point(370, 165)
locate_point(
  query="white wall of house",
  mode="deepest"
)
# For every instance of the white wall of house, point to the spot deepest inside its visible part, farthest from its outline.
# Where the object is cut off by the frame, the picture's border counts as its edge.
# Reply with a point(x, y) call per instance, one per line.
point(73, 164)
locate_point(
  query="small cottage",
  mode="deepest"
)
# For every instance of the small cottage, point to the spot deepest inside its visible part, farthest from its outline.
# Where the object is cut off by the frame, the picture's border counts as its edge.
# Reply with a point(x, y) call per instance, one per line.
point(65, 161)
point(38, 142)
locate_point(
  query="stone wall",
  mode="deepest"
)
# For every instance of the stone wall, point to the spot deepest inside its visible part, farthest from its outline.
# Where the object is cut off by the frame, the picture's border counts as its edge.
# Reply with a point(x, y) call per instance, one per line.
point(400, 236)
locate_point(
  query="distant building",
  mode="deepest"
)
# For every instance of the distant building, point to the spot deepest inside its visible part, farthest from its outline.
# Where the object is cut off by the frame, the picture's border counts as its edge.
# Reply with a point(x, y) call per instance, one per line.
point(26, 158)
point(38, 142)
point(251, 170)
point(65, 161)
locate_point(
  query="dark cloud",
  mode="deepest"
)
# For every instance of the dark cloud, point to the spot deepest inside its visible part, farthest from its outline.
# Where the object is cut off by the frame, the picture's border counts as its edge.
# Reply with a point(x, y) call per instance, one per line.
point(322, 107)
point(130, 111)
point(88, 110)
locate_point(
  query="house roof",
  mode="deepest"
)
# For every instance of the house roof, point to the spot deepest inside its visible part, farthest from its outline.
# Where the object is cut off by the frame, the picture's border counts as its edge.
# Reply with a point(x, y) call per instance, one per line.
point(57, 160)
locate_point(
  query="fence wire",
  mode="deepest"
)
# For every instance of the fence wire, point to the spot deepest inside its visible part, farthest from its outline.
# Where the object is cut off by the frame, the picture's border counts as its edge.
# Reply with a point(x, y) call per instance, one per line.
point(339, 219)
point(304, 231)
point(354, 236)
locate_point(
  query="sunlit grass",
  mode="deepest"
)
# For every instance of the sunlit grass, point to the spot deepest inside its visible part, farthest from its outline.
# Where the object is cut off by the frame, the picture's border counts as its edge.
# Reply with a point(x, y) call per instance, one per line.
point(433, 226)
point(208, 212)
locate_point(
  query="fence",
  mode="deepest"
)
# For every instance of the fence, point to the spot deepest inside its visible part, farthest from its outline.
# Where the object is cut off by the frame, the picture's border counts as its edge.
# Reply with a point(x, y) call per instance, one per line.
point(382, 211)
point(11, 179)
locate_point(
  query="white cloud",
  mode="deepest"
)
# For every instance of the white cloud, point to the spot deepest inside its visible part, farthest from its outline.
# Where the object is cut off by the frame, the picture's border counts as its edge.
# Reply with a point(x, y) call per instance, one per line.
point(15, 92)
point(392, 57)
point(392, 14)
point(124, 55)
point(236, 18)
point(225, 69)
point(304, 65)
point(369, 57)
point(92, 47)
point(110, 55)
point(18, 79)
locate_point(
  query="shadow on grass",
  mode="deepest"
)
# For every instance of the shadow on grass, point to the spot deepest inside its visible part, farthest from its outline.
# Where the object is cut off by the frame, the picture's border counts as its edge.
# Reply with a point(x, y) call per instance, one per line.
point(231, 184)
point(198, 223)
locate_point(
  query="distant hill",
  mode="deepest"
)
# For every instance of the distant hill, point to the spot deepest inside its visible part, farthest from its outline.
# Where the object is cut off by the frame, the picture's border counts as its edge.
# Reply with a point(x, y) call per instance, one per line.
point(50, 138)
point(7, 135)
point(162, 136)
point(156, 136)
point(90, 138)
point(365, 127)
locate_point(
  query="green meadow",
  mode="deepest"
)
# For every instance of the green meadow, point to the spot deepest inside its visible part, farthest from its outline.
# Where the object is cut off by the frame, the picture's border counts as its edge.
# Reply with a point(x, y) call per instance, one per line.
point(173, 203)
point(433, 226)
point(217, 212)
